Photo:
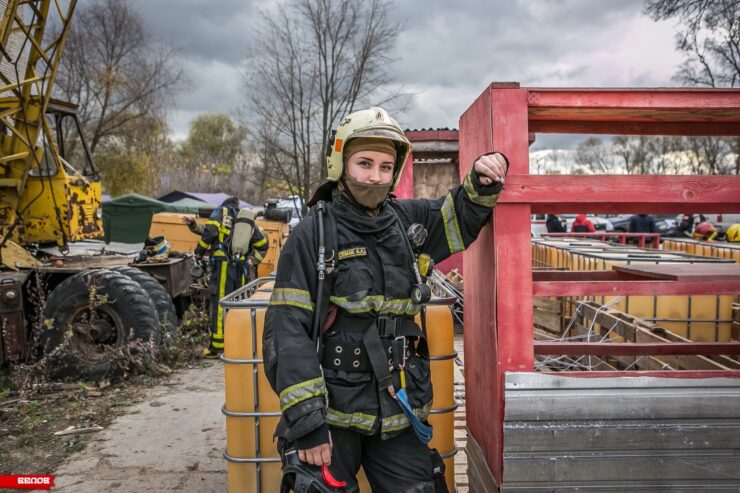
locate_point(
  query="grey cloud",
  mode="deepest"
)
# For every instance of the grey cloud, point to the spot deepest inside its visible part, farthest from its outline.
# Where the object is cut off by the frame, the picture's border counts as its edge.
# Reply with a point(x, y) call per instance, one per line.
point(448, 53)
point(207, 30)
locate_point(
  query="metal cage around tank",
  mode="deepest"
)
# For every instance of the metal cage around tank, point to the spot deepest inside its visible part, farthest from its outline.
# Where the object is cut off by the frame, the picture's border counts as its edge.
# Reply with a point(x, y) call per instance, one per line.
point(252, 409)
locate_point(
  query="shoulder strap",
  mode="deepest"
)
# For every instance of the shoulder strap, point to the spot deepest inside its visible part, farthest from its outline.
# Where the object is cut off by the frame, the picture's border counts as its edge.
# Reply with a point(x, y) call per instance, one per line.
point(330, 247)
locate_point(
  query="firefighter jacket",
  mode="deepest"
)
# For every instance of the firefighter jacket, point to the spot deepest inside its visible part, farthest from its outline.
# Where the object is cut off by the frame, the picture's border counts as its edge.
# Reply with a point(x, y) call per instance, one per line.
point(215, 239)
point(371, 281)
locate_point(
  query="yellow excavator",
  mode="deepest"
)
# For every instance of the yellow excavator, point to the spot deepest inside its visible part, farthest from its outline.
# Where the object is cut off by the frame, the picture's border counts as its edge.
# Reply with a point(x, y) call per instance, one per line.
point(73, 311)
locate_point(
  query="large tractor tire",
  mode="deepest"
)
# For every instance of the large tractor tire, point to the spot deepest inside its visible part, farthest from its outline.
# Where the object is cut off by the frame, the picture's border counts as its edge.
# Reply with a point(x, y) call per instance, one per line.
point(166, 313)
point(90, 319)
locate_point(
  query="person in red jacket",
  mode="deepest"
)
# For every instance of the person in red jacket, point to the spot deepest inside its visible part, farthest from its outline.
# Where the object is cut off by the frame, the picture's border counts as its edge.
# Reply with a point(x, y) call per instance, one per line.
point(582, 225)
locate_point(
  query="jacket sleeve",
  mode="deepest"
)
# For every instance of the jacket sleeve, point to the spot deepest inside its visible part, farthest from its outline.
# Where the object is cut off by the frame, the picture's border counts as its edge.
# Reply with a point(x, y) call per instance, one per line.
point(259, 245)
point(196, 228)
point(453, 221)
point(291, 363)
point(209, 236)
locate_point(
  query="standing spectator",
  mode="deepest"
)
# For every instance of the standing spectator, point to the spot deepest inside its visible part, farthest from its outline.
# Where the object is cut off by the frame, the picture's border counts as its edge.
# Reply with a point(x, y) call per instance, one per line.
point(641, 223)
point(582, 225)
point(554, 225)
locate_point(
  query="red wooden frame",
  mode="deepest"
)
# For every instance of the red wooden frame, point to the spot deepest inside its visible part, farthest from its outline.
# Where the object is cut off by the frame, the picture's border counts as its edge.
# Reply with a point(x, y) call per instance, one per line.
point(499, 285)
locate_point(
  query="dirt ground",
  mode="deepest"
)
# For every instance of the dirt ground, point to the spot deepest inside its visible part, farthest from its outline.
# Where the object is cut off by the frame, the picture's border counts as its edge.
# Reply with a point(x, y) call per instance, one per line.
point(164, 433)
point(172, 439)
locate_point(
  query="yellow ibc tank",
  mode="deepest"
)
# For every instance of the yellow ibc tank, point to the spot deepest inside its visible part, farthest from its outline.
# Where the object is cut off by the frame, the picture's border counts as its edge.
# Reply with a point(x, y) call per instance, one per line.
point(702, 318)
point(170, 225)
point(252, 409)
point(718, 249)
point(277, 234)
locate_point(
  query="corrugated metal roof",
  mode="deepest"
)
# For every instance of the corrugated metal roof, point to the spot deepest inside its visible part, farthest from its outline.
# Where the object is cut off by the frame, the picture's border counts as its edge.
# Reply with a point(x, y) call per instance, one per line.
point(214, 199)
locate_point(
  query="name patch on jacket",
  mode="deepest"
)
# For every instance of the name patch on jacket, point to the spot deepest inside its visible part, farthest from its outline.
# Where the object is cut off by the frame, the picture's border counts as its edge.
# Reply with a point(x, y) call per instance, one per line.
point(352, 252)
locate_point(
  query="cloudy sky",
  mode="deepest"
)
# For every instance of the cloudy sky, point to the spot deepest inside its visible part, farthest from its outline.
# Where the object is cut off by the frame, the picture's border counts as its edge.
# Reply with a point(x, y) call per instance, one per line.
point(448, 53)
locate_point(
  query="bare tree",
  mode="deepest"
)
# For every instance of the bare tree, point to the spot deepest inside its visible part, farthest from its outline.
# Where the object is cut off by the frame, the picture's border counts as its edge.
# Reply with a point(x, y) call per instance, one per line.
point(710, 38)
point(319, 60)
point(592, 154)
point(113, 68)
point(635, 153)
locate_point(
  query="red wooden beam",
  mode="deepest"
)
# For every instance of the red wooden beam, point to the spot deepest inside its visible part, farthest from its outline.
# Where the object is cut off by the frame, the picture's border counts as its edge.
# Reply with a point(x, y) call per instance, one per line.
point(623, 193)
point(613, 99)
point(635, 349)
point(634, 128)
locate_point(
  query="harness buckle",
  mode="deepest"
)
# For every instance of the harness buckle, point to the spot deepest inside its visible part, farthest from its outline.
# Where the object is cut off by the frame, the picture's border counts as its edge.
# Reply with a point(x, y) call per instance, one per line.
point(400, 347)
point(388, 326)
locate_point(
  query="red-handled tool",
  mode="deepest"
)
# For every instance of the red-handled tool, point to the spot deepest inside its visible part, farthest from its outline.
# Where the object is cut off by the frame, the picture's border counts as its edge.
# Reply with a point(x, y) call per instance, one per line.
point(330, 480)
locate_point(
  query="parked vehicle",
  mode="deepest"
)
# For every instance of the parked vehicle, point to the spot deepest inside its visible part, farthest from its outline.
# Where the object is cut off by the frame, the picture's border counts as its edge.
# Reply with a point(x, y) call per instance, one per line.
point(665, 224)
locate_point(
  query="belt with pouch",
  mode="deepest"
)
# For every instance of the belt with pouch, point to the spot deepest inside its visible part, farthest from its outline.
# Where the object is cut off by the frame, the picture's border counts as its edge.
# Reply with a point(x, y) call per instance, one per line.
point(394, 334)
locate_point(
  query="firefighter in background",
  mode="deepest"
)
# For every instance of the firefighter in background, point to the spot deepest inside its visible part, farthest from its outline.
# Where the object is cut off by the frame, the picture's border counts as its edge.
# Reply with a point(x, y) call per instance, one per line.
point(733, 233)
point(705, 231)
point(232, 241)
point(371, 386)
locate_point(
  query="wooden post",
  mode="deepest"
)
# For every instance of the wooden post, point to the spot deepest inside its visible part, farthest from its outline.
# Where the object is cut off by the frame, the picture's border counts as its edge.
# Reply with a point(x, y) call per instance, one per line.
point(499, 334)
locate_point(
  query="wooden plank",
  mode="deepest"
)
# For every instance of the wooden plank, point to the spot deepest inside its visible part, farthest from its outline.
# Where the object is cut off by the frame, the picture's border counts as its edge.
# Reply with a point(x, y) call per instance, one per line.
point(635, 128)
point(629, 329)
point(548, 320)
point(622, 193)
point(579, 330)
point(684, 272)
point(634, 349)
point(703, 102)
point(479, 475)
point(723, 361)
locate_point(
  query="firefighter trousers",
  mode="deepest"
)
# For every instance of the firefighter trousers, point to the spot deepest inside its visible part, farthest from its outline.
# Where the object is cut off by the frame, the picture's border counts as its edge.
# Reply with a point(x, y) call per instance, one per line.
point(401, 464)
point(226, 277)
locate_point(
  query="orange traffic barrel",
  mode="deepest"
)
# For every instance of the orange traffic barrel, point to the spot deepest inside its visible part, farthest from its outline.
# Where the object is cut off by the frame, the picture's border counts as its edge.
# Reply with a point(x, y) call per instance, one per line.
point(252, 409)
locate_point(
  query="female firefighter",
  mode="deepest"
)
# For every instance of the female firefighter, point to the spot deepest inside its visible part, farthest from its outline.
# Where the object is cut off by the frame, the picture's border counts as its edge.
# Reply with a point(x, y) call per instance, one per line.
point(364, 398)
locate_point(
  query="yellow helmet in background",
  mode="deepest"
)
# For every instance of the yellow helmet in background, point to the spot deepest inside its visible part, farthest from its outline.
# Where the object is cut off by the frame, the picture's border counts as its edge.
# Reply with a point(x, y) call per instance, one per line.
point(374, 123)
point(733, 233)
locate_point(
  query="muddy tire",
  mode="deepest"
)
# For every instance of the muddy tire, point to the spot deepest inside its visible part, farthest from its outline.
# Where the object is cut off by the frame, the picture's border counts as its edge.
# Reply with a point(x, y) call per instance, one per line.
point(166, 313)
point(86, 335)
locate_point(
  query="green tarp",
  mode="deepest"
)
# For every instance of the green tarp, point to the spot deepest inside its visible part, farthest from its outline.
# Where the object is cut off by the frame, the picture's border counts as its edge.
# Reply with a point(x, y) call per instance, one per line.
point(127, 219)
